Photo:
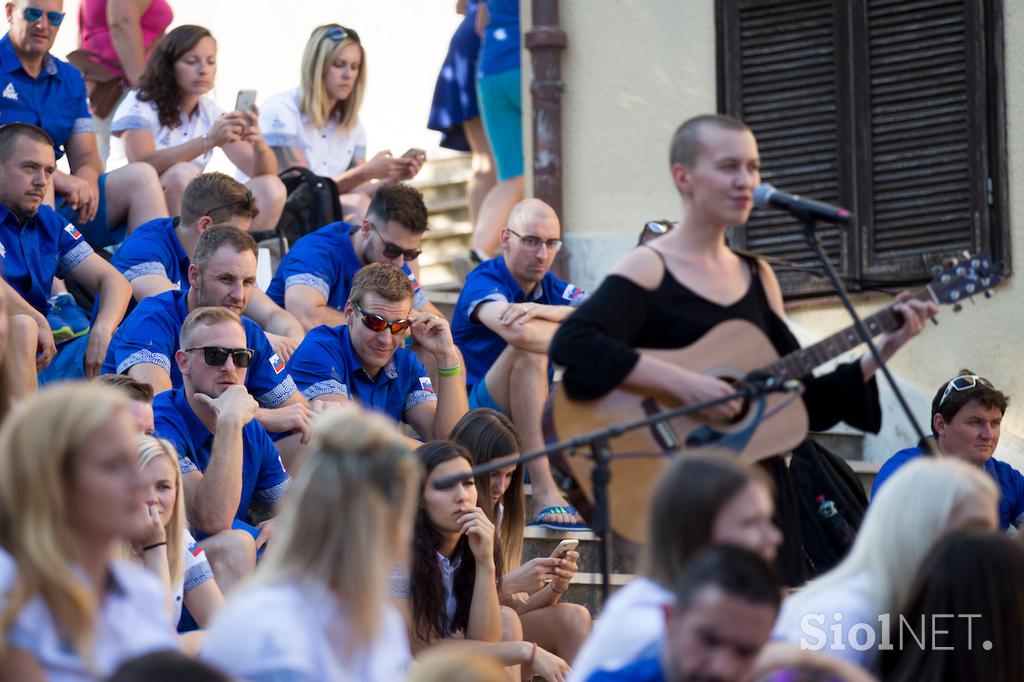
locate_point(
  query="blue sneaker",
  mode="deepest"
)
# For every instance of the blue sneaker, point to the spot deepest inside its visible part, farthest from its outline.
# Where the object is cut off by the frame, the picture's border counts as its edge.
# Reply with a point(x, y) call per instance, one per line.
point(67, 320)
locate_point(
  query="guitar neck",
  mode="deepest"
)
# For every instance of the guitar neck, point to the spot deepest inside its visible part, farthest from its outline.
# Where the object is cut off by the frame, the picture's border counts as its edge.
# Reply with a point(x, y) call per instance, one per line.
point(802, 362)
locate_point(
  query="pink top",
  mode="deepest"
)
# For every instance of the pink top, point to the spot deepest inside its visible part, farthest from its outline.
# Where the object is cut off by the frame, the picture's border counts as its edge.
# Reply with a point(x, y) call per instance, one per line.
point(96, 33)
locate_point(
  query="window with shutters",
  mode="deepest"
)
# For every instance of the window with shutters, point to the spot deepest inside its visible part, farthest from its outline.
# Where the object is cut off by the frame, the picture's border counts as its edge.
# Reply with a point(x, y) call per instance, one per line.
point(891, 108)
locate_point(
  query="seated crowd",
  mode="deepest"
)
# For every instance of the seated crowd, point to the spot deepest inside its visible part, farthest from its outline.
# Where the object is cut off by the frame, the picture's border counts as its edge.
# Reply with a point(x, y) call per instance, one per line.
point(227, 483)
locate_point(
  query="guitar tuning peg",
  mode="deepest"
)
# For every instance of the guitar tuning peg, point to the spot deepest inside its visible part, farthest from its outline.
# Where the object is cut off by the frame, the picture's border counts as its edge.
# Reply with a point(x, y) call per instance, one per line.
point(950, 262)
point(966, 255)
point(957, 307)
point(936, 270)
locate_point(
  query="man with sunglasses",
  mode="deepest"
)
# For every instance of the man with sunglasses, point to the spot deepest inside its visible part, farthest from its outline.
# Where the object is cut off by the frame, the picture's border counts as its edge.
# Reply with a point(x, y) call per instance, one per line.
point(967, 413)
point(38, 88)
point(223, 273)
point(226, 457)
point(314, 279)
point(156, 256)
point(506, 315)
point(365, 359)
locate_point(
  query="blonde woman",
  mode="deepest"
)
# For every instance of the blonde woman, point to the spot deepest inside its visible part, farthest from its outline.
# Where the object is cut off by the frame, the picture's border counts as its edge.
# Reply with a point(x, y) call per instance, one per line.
point(316, 125)
point(168, 549)
point(841, 613)
point(69, 493)
point(317, 608)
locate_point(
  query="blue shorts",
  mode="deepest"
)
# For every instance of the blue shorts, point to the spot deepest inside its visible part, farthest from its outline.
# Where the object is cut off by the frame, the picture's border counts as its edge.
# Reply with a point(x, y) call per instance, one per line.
point(479, 396)
point(68, 363)
point(501, 109)
point(97, 232)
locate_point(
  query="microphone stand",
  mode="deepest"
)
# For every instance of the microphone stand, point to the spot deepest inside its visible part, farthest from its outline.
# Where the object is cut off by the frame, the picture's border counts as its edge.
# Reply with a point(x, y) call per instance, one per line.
point(599, 443)
point(814, 241)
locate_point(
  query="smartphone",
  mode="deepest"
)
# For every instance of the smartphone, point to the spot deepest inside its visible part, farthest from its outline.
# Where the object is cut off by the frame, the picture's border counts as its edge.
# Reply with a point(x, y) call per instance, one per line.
point(413, 152)
point(565, 546)
point(245, 101)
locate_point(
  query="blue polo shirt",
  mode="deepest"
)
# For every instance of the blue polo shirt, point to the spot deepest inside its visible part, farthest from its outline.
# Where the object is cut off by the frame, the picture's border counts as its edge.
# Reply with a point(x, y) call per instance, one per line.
point(326, 261)
point(263, 476)
point(326, 363)
point(33, 254)
point(1009, 480)
point(150, 335)
point(491, 281)
point(643, 670)
point(55, 101)
point(153, 249)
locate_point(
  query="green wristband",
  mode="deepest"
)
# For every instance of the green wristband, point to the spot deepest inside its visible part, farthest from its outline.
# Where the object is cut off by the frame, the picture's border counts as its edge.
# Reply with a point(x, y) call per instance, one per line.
point(449, 372)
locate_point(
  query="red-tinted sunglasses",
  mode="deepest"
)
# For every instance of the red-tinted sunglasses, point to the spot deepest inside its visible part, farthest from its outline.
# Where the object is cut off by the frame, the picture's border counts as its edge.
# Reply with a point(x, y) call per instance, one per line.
point(376, 323)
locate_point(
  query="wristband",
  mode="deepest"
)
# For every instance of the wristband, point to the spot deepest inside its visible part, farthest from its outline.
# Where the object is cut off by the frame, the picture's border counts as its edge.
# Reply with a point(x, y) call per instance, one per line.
point(450, 372)
point(154, 546)
point(552, 586)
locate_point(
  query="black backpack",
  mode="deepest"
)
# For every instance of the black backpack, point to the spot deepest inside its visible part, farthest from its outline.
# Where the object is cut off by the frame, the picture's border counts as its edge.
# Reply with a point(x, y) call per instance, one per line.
point(816, 473)
point(312, 202)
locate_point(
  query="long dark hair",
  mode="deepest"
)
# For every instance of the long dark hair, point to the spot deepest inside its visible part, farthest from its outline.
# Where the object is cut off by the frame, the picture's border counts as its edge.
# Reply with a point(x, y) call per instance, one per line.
point(490, 435)
point(158, 84)
point(429, 615)
point(975, 572)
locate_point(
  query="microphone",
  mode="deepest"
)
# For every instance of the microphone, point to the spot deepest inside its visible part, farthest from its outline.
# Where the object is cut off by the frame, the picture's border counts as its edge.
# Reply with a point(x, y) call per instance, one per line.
point(766, 196)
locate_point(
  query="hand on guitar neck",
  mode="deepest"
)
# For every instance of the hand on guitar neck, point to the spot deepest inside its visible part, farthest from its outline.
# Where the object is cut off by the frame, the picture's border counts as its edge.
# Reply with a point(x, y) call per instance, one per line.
point(915, 314)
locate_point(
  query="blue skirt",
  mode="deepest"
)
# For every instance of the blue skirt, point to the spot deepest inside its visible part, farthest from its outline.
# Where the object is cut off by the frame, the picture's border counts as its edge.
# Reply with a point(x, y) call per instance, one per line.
point(455, 92)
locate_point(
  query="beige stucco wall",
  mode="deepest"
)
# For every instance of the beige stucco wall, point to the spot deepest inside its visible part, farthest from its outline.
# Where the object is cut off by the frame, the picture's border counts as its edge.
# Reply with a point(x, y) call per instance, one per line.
point(621, 106)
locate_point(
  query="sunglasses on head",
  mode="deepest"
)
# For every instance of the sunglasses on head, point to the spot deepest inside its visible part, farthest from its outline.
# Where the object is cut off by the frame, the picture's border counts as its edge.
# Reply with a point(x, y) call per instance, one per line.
point(340, 33)
point(34, 14)
point(394, 250)
point(246, 200)
point(963, 382)
point(215, 356)
point(376, 323)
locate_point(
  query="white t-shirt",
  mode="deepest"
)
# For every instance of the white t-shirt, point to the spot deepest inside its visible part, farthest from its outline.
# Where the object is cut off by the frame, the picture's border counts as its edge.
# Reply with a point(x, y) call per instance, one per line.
point(329, 151)
point(133, 114)
point(197, 571)
point(291, 632)
point(810, 615)
point(631, 624)
point(132, 621)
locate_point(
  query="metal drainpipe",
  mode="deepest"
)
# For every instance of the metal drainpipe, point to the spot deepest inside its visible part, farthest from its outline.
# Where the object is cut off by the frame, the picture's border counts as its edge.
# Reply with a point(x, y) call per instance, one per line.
point(545, 40)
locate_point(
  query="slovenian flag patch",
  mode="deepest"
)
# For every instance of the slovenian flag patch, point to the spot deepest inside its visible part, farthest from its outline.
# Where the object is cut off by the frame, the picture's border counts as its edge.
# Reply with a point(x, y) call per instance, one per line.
point(426, 385)
point(277, 363)
point(73, 231)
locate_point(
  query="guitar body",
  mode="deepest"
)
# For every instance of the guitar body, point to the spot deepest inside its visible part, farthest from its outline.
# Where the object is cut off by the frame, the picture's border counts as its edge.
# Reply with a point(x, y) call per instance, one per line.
point(767, 426)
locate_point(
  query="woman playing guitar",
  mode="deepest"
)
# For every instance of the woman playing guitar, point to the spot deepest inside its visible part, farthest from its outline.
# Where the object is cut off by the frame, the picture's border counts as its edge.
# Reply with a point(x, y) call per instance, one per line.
point(672, 290)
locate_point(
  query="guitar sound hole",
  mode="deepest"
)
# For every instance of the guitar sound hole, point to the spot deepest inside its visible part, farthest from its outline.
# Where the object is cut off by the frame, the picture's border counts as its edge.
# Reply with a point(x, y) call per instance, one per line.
point(744, 405)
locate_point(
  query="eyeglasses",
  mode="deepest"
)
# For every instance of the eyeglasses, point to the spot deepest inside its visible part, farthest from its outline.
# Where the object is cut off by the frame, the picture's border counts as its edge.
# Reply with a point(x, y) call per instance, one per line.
point(376, 323)
point(963, 383)
point(394, 250)
point(215, 356)
point(531, 243)
point(34, 14)
point(340, 33)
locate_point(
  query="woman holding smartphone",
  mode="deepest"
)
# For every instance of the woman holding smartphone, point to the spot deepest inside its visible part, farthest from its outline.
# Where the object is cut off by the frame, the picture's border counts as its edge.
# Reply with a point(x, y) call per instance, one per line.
point(172, 124)
point(534, 589)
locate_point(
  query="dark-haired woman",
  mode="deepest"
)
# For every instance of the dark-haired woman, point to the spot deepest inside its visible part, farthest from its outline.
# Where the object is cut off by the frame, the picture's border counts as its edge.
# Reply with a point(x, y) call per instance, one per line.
point(173, 125)
point(451, 590)
point(534, 589)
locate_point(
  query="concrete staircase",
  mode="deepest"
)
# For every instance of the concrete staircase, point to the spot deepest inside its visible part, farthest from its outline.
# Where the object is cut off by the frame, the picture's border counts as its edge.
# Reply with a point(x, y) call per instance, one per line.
point(443, 184)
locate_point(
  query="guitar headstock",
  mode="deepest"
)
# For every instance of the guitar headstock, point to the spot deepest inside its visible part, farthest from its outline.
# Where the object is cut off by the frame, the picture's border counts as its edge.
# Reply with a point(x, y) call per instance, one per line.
point(962, 278)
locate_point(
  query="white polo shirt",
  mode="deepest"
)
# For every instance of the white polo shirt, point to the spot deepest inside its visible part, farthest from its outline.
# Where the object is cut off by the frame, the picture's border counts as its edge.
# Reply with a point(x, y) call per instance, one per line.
point(133, 114)
point(286, 631)
point(329, 150)
point(132, 621)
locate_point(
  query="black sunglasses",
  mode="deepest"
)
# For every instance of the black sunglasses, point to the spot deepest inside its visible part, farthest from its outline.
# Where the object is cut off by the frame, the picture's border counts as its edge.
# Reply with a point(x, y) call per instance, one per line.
point(377, 323)
point(34, 14)
point(394, 250)
point(246, 200)
point(215, 356)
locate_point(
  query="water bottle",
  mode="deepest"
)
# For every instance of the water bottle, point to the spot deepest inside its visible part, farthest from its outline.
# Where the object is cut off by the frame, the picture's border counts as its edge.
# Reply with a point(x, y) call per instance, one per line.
point(841, 530)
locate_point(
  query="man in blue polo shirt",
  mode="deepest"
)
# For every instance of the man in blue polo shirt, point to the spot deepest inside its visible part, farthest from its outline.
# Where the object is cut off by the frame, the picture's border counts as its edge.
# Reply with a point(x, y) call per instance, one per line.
point(222, 274)
point(503, 323)
point(156, 256)
point(967, 413)
point(38, 88)
point(365, 359)
point(37, 245)
point(314, 278)
point(227, 460)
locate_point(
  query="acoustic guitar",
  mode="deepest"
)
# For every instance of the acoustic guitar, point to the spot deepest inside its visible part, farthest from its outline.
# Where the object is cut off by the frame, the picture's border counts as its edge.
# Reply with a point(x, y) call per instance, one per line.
point(738, 352)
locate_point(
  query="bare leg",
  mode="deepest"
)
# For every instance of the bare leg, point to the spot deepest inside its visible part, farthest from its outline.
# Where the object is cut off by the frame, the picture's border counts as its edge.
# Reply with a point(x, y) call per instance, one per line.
point(518, 382)
point(484, 176)
point(511, 631)
point(19, 366)
point(494, 214)
point(134, 196)
point(232, 555)
point(560, 629)
point(174, 180)
point(270, 194)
